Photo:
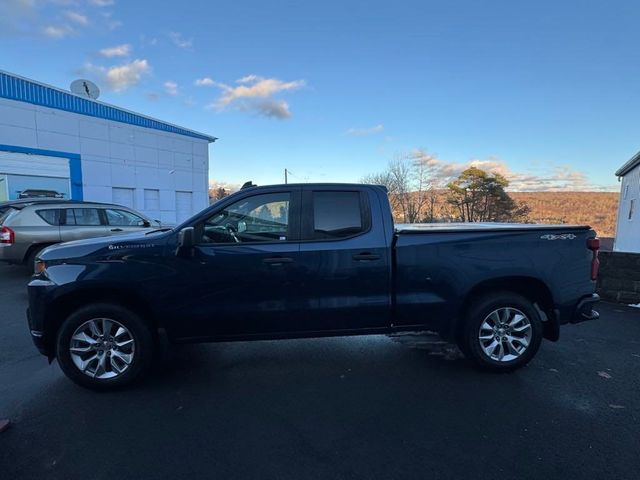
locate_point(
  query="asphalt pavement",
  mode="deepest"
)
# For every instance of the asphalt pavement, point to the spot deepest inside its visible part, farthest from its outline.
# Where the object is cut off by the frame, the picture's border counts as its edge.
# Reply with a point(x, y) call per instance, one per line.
point(373, 407)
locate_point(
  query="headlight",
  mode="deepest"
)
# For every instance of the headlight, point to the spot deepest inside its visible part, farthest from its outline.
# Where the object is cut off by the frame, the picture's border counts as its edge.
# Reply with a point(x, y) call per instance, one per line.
point(39, 267)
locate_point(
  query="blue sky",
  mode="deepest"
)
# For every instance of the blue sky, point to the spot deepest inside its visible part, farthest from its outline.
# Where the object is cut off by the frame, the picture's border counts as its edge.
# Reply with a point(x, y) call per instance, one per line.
point(547, 92)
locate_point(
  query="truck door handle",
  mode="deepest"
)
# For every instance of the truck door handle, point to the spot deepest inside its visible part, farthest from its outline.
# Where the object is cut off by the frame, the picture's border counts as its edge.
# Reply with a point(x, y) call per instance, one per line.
point(116, 229)
point(277, 260)
point(366, 257)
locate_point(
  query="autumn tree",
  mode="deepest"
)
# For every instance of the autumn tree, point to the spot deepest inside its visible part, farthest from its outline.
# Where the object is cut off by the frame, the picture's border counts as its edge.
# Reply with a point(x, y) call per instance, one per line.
point(409, 182)
point(478, 196)
point(220, 193)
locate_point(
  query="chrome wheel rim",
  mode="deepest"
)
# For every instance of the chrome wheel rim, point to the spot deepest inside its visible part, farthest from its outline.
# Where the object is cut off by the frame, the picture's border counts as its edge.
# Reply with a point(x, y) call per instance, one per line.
point(102, 348)
point(505, 334)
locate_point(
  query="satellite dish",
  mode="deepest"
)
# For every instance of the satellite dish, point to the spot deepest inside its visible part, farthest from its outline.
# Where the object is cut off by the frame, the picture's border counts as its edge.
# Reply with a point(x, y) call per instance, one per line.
point(85, 88)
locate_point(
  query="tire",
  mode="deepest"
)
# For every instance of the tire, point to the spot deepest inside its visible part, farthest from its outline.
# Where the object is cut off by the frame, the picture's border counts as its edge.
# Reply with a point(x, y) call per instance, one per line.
point(511, 331)
point(121, 358)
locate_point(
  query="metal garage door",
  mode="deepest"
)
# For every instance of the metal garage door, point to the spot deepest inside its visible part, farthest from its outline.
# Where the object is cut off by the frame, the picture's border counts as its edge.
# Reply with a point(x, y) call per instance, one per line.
point(184, 205)
point(123, 196)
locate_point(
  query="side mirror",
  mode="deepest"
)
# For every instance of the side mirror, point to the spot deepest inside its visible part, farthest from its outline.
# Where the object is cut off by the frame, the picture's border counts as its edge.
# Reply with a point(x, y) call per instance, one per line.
point(242, 226)
point(186, 240)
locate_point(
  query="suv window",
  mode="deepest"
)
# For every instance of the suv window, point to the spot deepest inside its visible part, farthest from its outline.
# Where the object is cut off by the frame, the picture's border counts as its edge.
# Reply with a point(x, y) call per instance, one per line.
point(4, 214)
point(82, 217)
point(51, 216)
point(261, 218)
point(336, 214)
point(122, 218)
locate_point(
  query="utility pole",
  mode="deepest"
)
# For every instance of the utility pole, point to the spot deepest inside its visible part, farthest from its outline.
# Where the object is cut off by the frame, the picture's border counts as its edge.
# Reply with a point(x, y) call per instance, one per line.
point(285, 176)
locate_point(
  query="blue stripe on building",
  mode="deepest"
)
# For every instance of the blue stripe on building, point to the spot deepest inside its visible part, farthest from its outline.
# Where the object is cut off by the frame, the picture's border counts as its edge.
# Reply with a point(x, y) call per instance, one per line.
point(23, 90)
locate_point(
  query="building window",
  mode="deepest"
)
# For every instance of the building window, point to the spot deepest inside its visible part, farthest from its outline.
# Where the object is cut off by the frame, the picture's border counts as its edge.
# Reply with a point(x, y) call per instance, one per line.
point(626, 192)
point(632, 206)
point(151, 199)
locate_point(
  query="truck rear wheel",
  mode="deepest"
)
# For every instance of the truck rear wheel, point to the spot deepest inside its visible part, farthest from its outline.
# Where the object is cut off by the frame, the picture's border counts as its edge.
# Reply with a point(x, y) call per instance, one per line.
point(502, 331)
point(104, 346)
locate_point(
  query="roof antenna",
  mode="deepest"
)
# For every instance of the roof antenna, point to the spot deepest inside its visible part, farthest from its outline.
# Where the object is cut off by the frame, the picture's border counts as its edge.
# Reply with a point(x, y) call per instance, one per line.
point(248, 184)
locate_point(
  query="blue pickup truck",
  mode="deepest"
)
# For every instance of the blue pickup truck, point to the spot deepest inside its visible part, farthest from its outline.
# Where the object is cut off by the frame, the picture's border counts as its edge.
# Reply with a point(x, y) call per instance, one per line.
point(312, 260)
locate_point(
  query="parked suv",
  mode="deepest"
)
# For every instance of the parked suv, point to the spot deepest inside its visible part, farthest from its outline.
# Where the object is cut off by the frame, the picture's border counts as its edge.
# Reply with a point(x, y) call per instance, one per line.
point(28, 227)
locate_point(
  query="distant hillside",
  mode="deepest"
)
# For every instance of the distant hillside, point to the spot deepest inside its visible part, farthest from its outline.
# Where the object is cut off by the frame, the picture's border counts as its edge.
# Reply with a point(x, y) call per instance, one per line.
point(598, 209)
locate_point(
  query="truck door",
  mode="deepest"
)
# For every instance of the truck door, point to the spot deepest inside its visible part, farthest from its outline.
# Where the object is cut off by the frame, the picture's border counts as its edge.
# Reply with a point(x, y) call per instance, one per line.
point(345, 262)
point(243, 274)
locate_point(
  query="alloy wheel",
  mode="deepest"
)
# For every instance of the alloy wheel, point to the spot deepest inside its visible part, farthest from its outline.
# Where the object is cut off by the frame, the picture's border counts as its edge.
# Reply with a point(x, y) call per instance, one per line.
point(102, 348)
point(505, 334)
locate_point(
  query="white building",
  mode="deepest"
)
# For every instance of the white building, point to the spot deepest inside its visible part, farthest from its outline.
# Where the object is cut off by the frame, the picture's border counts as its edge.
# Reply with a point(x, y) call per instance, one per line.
point(51, 139)
point(628, 228)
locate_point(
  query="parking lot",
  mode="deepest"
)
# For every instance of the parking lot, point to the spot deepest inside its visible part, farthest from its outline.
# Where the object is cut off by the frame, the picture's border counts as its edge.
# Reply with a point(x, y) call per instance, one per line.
point(365, 407)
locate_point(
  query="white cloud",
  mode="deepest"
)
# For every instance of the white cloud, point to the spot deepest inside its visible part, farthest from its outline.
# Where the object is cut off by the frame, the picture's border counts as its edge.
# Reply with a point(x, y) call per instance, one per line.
point(77, 18)
point(255, 93)
point(120, 77)
point(259, 88)
point(204, 82)
point(179, 41)
point(57, 31)
point(550, 178)
point(361, 132)
point(116, 51)
point(102, 3)
point(247, 79)
point(171, 88)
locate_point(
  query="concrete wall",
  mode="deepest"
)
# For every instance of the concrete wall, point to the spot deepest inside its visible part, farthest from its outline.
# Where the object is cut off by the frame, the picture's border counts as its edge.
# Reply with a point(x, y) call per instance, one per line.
point(628, 229)
point(619, 277)
point(117, 155)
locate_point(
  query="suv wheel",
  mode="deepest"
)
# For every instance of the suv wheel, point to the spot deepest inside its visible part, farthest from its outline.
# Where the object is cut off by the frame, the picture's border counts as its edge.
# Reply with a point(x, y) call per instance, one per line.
point(104, 346)
point(502, 331)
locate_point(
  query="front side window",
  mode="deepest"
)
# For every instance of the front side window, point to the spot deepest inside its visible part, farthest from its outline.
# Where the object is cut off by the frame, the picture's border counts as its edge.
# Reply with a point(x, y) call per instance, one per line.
point(336, 214)
point(122, 218)
point(82, 217)
point(261, 218)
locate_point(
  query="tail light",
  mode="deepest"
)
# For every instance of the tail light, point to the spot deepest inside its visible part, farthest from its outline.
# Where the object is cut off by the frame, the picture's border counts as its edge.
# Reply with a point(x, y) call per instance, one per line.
point(7, 236)
point(593, 244)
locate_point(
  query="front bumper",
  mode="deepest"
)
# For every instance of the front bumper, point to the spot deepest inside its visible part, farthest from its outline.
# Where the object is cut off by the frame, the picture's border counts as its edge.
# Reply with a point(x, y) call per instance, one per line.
point(584, 310)
point(37, 336)
point(39, 298)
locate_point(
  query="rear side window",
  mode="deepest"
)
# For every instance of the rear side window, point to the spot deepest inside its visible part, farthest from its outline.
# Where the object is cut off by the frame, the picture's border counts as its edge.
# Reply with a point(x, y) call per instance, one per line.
point(82, 217)
point(4, 214)
point(51, 216)
point(337, 215)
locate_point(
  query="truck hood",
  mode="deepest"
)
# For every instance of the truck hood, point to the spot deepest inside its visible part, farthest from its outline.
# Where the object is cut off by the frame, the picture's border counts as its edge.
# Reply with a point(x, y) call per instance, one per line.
point(107, 245)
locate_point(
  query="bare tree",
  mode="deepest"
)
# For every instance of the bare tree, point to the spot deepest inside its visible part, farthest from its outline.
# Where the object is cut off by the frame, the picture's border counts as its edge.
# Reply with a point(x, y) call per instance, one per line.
point(408, 179)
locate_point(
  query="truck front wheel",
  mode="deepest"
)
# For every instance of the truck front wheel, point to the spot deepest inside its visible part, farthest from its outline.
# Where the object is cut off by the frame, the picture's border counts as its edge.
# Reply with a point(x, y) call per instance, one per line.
point(104, 346)
point(502, 331)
